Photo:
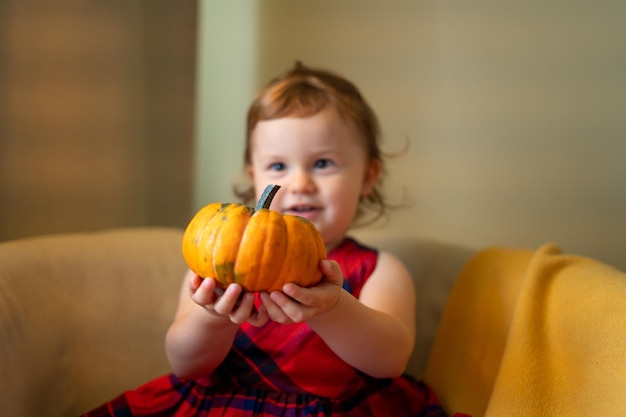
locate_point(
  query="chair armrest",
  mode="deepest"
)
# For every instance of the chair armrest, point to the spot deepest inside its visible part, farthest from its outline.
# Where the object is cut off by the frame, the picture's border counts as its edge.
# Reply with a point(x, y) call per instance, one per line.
point(83, 316)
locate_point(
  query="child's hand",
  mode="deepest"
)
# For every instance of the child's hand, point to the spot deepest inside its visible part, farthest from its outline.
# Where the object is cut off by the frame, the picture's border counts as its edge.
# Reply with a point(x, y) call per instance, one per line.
point(297, 304)
point(232, 303)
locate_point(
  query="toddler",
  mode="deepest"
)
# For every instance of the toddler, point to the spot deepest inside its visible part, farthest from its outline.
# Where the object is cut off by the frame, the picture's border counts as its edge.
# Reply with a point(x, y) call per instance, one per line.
point(338, 348)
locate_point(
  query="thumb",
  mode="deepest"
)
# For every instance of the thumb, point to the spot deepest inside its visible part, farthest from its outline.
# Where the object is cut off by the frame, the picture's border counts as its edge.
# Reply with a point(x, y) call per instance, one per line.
point(331, 271)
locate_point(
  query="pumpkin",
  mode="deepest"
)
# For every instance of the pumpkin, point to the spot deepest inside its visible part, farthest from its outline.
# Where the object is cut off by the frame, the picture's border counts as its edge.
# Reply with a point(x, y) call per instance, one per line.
point(258, 248)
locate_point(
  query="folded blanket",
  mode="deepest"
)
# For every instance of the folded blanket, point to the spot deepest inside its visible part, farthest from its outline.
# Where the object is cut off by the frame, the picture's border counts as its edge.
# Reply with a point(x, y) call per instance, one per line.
point(566, 348)
point(533, 334)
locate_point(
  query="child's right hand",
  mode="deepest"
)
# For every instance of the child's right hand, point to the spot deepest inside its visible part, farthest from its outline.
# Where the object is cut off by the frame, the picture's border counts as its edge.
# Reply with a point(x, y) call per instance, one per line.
point(232, 303)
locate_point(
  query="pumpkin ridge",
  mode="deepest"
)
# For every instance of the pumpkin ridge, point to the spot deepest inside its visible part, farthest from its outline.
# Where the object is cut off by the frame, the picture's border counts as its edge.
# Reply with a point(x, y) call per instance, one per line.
point(277, 251)
point(226, 246)
point(246, 269)
point(193, 237)
point(248, 212)
point(215, 227)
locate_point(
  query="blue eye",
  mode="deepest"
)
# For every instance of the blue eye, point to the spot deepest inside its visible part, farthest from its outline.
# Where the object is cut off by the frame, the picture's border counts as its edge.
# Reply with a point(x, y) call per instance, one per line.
point(277, 166)
point(323, 163)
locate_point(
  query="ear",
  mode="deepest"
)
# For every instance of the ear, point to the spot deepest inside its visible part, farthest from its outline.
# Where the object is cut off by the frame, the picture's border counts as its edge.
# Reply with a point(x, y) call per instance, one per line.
point(250, 172)
point(370, 177)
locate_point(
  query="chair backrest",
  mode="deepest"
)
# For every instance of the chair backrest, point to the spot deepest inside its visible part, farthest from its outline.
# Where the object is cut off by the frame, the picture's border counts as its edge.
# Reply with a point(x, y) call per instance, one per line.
point(434, 266)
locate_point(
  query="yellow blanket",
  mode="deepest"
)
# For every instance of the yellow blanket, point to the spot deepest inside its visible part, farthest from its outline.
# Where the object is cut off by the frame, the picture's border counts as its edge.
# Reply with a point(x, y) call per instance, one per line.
point(533, 334)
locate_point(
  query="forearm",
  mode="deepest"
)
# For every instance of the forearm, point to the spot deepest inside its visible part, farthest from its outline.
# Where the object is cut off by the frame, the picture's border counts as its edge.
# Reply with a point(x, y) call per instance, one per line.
point(198, 341)
point(371, 341)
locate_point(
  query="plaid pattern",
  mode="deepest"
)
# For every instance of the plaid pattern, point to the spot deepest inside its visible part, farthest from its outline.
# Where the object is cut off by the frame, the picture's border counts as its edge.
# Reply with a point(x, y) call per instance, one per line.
point(284, 370)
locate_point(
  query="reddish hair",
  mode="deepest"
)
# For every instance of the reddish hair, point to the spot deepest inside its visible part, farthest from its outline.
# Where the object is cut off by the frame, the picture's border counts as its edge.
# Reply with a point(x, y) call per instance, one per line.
point(304, 92)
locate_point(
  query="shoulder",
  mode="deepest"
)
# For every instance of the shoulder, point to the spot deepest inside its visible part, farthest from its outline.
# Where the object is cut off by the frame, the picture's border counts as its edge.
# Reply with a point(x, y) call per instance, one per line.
point(380, 262)
point(390, 269)
point(390, 278)
point(388, 261)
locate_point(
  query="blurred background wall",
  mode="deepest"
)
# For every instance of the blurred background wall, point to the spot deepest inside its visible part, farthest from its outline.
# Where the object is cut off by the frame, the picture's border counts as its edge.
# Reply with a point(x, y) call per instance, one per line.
point(121, 113)
point(96, 114)
point(514, 112)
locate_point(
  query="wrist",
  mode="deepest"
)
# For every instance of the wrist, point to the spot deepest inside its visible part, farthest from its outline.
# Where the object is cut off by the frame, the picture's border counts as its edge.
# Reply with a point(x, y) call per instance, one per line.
point(331, 313)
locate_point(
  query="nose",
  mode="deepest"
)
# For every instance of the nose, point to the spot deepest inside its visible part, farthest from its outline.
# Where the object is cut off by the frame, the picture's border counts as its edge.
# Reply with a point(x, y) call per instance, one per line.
point(302, 182)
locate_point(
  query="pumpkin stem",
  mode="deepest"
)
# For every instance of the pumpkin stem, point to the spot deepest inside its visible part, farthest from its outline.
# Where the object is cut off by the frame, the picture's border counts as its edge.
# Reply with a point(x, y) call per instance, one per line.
point(267, 197)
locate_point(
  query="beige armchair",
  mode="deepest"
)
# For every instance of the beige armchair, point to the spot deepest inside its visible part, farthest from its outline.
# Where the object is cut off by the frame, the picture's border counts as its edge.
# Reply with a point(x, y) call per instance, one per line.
point(83, 316)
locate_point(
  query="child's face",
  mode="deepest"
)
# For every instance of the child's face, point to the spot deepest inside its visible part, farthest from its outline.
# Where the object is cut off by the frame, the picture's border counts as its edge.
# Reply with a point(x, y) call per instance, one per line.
point(321, 164)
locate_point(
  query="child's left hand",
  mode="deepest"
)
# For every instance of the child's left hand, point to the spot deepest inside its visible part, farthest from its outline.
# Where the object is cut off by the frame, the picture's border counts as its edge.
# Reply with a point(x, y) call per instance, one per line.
point(296, 304)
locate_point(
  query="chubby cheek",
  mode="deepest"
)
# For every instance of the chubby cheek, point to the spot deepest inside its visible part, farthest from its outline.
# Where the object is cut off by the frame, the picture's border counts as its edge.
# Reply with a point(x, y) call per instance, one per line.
point(348, 199)
point(344, 207)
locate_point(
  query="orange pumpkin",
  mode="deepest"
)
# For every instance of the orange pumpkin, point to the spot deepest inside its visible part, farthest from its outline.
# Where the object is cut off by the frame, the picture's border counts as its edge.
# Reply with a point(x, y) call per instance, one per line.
point(258, 248)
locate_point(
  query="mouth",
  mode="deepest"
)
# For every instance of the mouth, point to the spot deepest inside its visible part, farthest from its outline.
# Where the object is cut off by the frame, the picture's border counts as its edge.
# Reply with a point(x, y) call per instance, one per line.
point(303, 211)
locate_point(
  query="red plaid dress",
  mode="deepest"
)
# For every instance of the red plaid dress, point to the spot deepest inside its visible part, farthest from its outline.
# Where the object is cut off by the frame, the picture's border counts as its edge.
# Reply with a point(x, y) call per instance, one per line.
point(284, 370)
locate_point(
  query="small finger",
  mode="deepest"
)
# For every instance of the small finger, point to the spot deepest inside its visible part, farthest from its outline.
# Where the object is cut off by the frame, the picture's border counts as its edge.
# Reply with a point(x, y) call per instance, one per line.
point(331, 271)
point(261, 317)
point(300, 296)
point(226, 303)
point(194, 282)
point(204, 294)
point(326, 266)
point(242, 309)
point(291, 289)
point(274, 310)
point(291, 309)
